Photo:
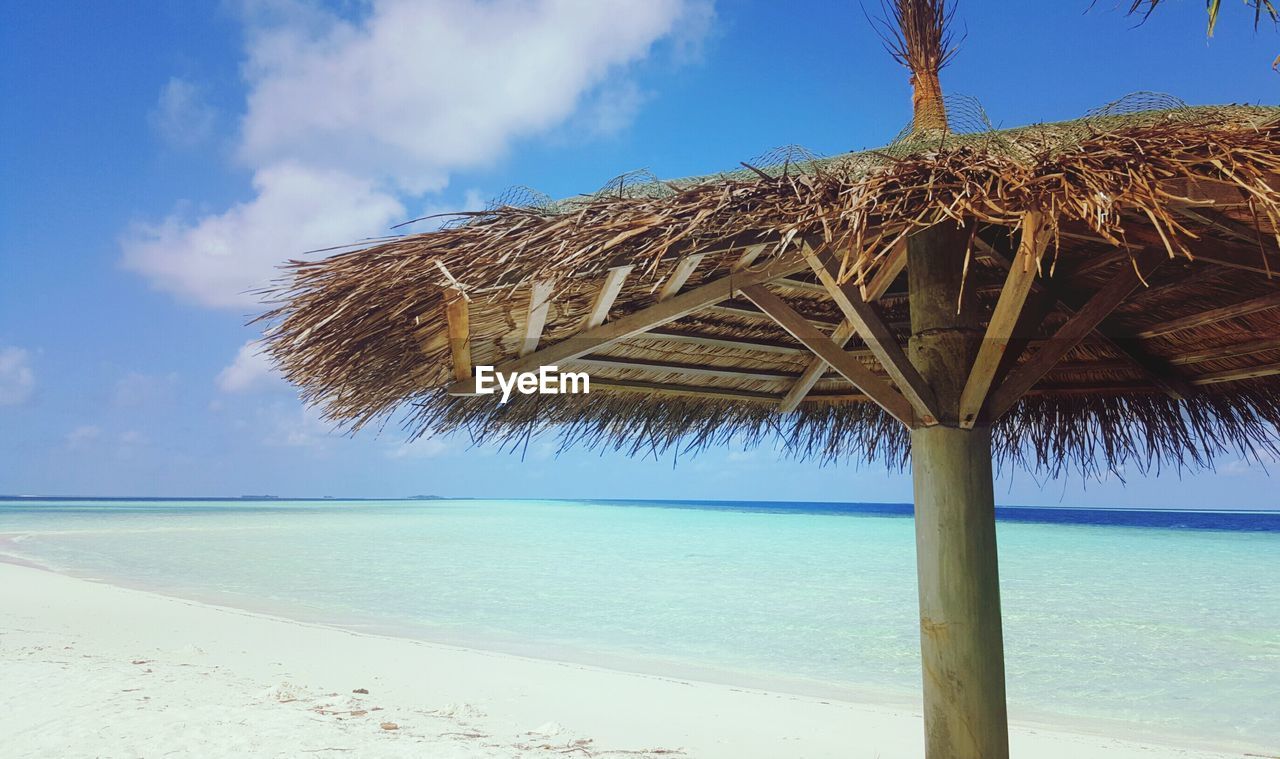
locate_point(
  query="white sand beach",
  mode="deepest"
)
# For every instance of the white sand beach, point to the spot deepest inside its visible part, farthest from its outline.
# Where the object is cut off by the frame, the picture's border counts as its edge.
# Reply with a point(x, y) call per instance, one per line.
point(93, 670)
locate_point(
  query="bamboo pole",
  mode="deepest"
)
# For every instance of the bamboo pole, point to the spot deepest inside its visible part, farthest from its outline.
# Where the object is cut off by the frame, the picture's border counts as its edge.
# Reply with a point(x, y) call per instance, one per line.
point(961, 643)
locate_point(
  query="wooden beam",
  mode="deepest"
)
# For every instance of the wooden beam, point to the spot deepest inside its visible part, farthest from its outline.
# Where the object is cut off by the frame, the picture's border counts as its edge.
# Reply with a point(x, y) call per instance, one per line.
point(536, 316)
point(814, 371)
point(1213, 316)
point(888, 272)
point(607, 294)
point(1069, 335)
point(873, 331)
point(872, 291)
point(693, 370)
point(1233, 375)
point(1227, 351)
point(738, 312)
point(457, 313)
point(1156, 370)
point(710, 341)
point(748, 257)
point(801, 285)
point(679, 275)
point(1205, 192)
point(633, 324)
point(1223, 223)
point(849, 367)
point(1013, 296)
point(690, 391)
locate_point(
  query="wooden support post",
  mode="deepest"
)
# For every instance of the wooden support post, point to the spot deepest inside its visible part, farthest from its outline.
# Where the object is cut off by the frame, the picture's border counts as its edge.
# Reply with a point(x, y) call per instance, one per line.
point(457, 314)
point(961, 643)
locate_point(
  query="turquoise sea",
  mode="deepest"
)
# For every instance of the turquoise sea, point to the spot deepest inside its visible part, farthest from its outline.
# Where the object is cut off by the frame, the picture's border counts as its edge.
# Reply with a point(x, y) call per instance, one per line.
point(1145, 623)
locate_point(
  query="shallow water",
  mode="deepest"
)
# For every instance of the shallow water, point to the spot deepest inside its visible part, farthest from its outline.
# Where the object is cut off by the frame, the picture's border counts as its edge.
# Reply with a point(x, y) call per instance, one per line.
point(1147, 622)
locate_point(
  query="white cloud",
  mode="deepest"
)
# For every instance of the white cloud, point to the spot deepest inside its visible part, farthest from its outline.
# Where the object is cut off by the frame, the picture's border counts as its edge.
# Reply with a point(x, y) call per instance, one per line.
point(250, 370)
point(17, 379)
point(422, 448)
point(83, 436)
point(219, 260)
point(130, 438)
point(416, 89)
point(346, 116)
point(300, 426)
point(613, 108)
point(181, 116)
point(138, 390)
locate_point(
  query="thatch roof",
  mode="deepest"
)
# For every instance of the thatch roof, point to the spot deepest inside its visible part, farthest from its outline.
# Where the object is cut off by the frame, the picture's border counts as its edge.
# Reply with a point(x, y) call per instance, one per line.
point(1186, 367)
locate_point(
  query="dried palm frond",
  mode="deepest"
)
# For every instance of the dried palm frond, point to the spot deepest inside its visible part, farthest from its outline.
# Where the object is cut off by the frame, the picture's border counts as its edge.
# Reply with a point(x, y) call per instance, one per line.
point(364, 334)
point(1260, 7)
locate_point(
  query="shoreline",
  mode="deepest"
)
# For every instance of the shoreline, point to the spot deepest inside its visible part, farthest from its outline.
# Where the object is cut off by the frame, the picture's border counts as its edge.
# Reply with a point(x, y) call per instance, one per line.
point(467, 701)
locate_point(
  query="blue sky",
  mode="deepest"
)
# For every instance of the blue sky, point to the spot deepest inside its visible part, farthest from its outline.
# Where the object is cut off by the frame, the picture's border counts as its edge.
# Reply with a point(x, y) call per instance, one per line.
point(159, 157)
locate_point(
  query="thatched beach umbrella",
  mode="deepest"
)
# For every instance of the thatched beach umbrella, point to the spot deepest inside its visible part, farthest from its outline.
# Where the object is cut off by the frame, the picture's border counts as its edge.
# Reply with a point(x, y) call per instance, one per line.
point(1094, 294)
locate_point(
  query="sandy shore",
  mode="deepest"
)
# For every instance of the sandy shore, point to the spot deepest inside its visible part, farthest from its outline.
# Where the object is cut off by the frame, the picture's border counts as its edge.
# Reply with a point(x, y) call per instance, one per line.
point(89, 669)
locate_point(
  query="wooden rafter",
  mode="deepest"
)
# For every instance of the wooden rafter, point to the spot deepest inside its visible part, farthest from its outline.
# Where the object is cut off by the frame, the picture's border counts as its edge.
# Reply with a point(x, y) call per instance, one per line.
point(1223, 223)
point(679, 275)
point(849, 367)
point(689, 391)
point(888, 272)
point(1228, 351)
point(536, 316)
point(1156, 370)
point(457, 313)
point(1213, 316)
point(1204, 192)
point(606, 295)
point(748, 257)
point(713, 341)
point(875, 333)
point(1069, 335)
point(738, 312)
point(1234, 375)
point(716, 393)
point(590, 340)
point(814, 371)
point(801, 285)
point(693, 370)
point(1000, 330)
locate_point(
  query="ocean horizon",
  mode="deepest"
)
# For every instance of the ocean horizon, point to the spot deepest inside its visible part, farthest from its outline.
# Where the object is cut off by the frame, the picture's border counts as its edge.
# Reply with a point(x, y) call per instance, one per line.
point(1155, 623)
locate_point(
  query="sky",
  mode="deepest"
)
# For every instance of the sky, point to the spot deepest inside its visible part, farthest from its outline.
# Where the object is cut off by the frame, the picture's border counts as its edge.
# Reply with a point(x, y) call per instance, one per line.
point(161, 157)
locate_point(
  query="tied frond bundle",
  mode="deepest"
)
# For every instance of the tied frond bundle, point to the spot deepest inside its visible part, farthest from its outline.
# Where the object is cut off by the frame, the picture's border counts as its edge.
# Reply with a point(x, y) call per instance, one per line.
point(918, 34)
